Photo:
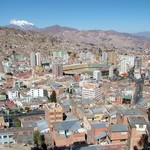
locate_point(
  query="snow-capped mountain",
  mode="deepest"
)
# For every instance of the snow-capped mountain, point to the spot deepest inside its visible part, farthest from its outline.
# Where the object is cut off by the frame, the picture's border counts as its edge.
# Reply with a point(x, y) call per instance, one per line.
point(22, 24)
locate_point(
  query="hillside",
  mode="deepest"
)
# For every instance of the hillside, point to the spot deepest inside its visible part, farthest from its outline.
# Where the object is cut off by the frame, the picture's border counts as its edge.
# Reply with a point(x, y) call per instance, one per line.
point(26, 41)
point(55, 38)
point(110, 39)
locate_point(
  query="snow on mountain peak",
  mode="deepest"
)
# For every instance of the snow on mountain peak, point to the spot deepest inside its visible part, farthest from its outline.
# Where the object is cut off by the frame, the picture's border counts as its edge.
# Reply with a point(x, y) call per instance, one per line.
point(21, 23)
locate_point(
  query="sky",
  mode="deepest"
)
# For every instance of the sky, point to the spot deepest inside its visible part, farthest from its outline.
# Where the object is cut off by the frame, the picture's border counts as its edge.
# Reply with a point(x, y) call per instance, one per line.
point(120, 15)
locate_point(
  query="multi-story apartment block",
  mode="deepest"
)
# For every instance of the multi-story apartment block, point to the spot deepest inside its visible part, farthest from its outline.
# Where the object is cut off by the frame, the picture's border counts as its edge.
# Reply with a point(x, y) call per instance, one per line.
point(112, 58)
point(36, 92)
point(61, 54)
point(35, 59)
point(53, 113)
point(91, 91)
point(125, 63)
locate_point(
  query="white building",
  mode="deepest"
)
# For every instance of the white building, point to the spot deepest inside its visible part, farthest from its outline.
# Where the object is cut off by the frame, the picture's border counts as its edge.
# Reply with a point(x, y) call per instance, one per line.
point(38, 59)
point(13, 94)
point(32, 59)
point(35, 59)
point(36, 92)
point(91, 91)
point(62, 55)
point(111, 72)
point(125, 63)
point(104, 56)
point(97, 75)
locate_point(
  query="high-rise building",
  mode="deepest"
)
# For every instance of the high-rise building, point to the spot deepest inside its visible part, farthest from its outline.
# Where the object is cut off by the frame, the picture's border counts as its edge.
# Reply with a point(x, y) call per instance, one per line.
point(38, 59)
point(35, 59)
point(57, 69)
point(125, 63)
point(104, 56)
point(112, 58)
point(137, 67)
point(32, 59)
point(97, 75)
point(111, 72)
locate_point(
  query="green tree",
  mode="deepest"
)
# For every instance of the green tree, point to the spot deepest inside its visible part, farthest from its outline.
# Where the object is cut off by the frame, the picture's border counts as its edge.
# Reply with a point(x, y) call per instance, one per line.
point(27, 109)
point(17, 122)
point(36, 137)
point(39, 140)
point(53, 97)
point(42, 139)
point(9, 73)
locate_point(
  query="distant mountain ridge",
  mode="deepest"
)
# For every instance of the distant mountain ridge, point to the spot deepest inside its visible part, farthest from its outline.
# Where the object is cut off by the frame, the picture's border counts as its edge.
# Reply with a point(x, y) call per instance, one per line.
point(58, 30)
point(98, 38)
point(143, 34)
point(22, 25)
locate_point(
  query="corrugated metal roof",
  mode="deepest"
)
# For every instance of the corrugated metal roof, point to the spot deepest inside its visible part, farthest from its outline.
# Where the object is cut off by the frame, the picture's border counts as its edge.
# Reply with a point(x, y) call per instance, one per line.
point(112, 113)
point(99, 110)
point(119, 128)
point(101, 135)
point(67, 125)
point(137, 120)
point(42, 125)
point(130, 112)
point(87, 102)
point(98, 125)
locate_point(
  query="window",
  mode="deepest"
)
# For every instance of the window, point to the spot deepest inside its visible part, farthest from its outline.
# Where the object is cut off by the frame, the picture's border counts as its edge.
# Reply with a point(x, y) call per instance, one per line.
point(140, 126)
point(58, 118)
point(51, 113)
point(52, 118)
point(11, 142)
point(58, 113)
point(10, 136)
point(5, 142)
point(122, 140)
point(5, 136)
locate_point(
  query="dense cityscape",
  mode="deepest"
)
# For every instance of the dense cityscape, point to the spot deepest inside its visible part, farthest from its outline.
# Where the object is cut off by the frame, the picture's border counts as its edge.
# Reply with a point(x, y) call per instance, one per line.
point(75, 100)
point(75, 75)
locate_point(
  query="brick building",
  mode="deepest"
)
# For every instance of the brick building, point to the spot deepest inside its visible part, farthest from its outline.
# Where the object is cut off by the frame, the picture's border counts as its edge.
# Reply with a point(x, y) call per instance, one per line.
point(118, 133)
point(137, 128)
point(53, 113)
point(66, 133)
point(98, 132)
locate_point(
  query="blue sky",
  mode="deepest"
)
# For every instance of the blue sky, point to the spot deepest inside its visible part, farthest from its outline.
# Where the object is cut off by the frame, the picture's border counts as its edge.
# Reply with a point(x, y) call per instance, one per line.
point(120, 15)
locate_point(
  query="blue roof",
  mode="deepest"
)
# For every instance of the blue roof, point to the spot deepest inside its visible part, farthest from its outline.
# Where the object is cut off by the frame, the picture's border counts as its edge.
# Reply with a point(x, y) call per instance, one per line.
point(137, 120)
point(98, 110)
point(67, 125)
point(130, 112)
point(87, 102)
point(101, 135)
point(42, 125)
point(70, 117)
point(112, 113)
point(119, 127)
point(54, 84)
point(98, 125)
point(93, 147)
